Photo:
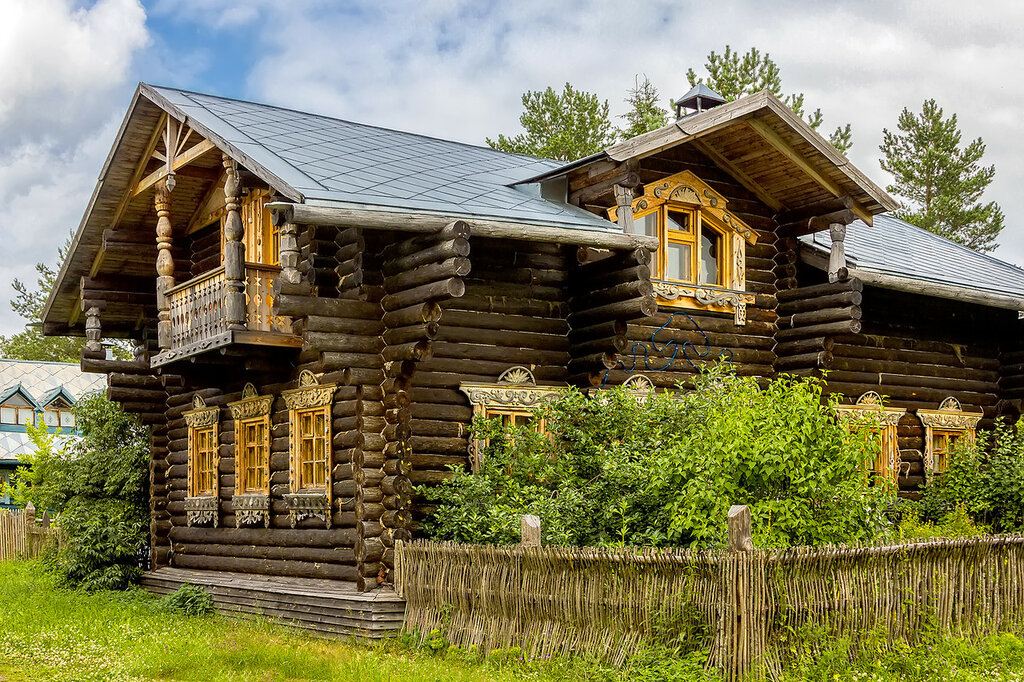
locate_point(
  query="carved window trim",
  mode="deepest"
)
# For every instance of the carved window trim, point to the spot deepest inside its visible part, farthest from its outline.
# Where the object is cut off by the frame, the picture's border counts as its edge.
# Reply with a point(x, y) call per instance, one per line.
point(949, 420)
point(251, 503)
point(201, 505)
point(686, 193)
point(310, 399)
point(514, 393)
point(870, 412)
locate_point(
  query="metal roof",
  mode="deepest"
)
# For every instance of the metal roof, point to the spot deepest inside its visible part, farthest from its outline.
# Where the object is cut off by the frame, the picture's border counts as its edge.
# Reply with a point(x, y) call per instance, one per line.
point(895, 247)
point(328, 160)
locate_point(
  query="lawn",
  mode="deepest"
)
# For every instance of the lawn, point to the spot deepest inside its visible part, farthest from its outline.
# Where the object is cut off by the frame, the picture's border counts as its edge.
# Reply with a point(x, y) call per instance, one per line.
point(49, 634)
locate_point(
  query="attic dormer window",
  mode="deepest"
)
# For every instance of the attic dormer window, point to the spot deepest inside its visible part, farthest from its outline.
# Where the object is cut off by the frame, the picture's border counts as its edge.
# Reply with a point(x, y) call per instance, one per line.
point(701, 259)
point(17, 411)
point(59, 413)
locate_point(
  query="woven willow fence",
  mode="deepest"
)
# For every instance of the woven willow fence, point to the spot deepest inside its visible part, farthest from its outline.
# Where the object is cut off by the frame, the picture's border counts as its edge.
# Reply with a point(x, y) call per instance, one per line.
point(740, 605)
point(22, 535)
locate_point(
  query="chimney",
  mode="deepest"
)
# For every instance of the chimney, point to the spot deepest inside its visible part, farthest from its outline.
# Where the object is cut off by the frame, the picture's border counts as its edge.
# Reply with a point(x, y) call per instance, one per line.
point(699, 98)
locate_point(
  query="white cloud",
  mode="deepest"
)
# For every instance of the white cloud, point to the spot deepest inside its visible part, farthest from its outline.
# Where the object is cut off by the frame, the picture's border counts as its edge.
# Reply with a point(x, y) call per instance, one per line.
point(64, 68)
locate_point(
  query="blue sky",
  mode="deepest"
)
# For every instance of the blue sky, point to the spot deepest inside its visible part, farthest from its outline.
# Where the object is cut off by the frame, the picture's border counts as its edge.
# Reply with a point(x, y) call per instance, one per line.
point(457, 69)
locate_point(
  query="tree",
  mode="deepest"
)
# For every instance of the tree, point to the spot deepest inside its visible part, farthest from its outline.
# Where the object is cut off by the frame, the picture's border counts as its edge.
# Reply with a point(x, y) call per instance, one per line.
point(565, 126)
point(28, 303)
point(941, 181)
point(733, 75)
point(644, 113)
point(98, 487)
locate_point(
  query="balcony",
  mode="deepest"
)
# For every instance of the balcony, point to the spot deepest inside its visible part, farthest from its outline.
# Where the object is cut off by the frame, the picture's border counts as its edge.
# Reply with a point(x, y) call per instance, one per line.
point(199, 321)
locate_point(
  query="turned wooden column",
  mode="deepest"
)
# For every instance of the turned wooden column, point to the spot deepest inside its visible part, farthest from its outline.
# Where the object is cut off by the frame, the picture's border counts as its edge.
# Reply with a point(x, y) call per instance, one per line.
point(93, 330)
point(234, 249)
point(624, 203)
point(837, 258)
point(164, 264)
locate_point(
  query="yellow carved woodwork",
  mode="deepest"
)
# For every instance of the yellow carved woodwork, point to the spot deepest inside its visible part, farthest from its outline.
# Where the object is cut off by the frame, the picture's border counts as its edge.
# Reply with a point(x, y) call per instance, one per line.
point(943, 429)
point(252, 441)
point(203, 449)
point(309, 410)
point(701, 261)
point(871, 415)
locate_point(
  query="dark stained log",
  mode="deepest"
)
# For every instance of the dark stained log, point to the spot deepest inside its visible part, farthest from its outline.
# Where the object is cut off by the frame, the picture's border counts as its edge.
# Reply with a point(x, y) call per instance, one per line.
point(821, 359)
point(600, 330)
point(483, 320)
point(602, 280)
point(813, 317)
point(820, 290)
point(636, 307)
point(448, 288)
point(418, 350)
point(303, 306)
point(804, 346)
point(453, 248)
point(424, 275)
point(267, 566)
point(415, 314)
point(101, 366)
point(342, 325)
point(402, 335)
point(336, 361)
point(346, 343)
point(842, 327)
point(619, 292)
point(502, 337)
point(840, 300)
point(507, 304)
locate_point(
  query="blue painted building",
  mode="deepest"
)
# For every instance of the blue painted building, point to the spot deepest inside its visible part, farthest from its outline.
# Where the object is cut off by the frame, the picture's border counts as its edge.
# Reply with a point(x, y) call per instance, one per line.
point(40, 393)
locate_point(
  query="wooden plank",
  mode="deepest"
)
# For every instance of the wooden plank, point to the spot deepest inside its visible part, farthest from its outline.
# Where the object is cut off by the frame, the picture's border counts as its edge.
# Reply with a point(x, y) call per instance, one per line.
point(745, 180)
point(179, 162)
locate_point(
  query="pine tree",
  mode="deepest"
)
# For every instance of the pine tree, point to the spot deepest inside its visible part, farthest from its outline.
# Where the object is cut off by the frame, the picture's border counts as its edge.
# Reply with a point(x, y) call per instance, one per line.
point(644, 113)
point(565, 126)
point(733, 75)
point(940, 181)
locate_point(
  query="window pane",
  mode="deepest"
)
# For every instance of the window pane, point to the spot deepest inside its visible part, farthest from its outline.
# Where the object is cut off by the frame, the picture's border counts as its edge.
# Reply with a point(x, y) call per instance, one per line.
point(679, 221)
point(51, 418)
point(648, 224)
point(8, 415)
point(67, 420)
point(677, 262)
point(710, 255)
point(26, 417)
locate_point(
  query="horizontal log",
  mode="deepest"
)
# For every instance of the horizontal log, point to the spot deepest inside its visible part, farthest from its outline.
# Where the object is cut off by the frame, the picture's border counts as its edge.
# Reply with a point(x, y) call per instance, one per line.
point(846, 326)
point(629, 309)
point(605, 279)
point(820, 290)
point(299, 569)
point(336, 361)
point(448, 288)
point(804, 346)
point(840, 300)
point(823, 316)
point(415, 350)
point(418, 313)
point(303, 306)
point(343, 325)
point(426, 274)
point(821, 359)
point(452, 248)
point(521, 304)
point(410, 333)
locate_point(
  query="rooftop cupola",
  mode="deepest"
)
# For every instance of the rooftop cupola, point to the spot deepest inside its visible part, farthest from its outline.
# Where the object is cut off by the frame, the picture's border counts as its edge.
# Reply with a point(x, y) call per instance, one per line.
point(699, 98)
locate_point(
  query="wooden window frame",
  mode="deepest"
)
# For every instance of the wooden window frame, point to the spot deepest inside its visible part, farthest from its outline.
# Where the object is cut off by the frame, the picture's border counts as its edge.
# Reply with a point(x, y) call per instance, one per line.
point(949, 420)
point(18, 409)
point(311, 399)
point(251, 502)
point(686, 193)
point(201, 505)
point(515, 392)
point(869, 412)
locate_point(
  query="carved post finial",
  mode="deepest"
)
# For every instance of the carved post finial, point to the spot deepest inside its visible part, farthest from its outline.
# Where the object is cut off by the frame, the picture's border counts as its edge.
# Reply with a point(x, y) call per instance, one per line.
point(234, 248)
point(93, 329)
point(837, 258)
point(164, 263)
point(624, 203)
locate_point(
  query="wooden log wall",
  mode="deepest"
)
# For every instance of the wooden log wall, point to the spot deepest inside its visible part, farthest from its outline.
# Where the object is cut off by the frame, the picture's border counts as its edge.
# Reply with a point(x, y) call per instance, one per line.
point(204, 249)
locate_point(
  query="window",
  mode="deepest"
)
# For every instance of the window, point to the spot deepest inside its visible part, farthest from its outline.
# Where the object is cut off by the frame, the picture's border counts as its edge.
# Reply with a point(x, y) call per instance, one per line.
point(203, 463)
point(251, 499)
point(869, 414)
point(59, 414)
point(17, 411)
point(701, 261)
point(309, 422)
point(943, 429)
point(513, 398)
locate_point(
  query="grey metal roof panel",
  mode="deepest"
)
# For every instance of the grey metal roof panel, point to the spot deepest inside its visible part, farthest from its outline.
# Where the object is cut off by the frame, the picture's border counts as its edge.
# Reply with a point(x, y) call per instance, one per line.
point(895, 247)
point(330, 160)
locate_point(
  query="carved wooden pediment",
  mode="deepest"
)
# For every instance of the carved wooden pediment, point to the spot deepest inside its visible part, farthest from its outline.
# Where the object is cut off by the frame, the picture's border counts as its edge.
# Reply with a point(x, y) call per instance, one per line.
point(310, 393)
point(950, 415)
point(515, 388)
point(200, 415)
point(251, 405)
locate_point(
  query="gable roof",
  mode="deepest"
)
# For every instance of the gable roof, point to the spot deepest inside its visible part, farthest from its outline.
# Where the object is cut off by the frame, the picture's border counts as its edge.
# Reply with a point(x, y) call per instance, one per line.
point(921, 256)
point(324, 160)
point(9, 392)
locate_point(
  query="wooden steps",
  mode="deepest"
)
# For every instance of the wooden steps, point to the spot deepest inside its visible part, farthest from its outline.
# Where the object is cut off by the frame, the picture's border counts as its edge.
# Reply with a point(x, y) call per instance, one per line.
point(330, 608)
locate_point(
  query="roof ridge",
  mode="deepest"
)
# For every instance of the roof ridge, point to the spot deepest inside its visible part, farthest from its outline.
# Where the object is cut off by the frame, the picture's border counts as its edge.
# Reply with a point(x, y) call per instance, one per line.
point(357, 123)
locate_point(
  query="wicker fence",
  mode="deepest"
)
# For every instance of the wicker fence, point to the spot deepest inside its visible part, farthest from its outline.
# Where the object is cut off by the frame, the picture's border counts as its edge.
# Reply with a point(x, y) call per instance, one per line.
point(22, 535)
point(741, 605)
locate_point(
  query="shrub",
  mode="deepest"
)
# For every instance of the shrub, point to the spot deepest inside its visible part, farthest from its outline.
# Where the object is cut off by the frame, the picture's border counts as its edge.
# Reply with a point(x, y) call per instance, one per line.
point(664, 471)
point(98, 486)
point(189, 600)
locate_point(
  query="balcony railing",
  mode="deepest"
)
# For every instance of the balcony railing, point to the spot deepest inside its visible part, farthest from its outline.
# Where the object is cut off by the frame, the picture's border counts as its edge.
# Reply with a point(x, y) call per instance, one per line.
point(198, 312)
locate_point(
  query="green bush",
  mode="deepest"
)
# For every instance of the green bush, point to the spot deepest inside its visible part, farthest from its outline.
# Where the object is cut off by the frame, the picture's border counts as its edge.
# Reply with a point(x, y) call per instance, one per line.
point(98, 487)
point(612, 470)
point(189, 600)
point(986, 479)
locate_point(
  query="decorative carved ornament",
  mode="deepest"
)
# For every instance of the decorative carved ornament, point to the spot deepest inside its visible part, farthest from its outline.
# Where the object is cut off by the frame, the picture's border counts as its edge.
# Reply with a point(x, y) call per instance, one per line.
point(308, 504)
point(949, 417)
point(201, 511)
point(251, 509)
point(200, 415)
point(310, 393)
point(687, 188)
point(870, 411)
point(516, 388)
point(251, 405)
point(708, 297)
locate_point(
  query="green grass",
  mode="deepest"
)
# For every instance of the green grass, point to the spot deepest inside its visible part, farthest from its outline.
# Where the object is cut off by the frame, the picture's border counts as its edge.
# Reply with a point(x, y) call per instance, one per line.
point(49, 634)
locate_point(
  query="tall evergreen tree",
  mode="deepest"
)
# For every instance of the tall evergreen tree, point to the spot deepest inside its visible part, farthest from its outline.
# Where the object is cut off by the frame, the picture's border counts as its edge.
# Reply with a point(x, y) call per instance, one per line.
point(733, 75)
point(30, 344)
point(645, 114)
point(940, 181)
point(564, 126)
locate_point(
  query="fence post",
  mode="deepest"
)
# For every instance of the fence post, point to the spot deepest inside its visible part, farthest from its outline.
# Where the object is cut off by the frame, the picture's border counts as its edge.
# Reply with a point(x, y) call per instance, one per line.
point(742, 577)
point(530, 531)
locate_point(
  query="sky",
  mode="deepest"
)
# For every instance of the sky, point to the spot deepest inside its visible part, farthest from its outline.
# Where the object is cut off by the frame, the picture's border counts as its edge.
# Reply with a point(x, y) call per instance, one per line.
point(457, 69)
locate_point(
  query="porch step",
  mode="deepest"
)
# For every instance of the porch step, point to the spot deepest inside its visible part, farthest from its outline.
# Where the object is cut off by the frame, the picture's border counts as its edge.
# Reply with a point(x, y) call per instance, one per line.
point(329, 608)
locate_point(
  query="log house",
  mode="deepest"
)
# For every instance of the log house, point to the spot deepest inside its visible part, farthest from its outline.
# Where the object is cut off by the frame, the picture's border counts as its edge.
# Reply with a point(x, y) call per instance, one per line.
point(320, 307)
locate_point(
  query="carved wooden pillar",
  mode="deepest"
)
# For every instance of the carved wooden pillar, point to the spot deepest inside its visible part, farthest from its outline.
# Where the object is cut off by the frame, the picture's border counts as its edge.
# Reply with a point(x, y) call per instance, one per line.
point(93, 330)
point(234, 249)
point(624, 202)
point(164, 264)
point(837, 258)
